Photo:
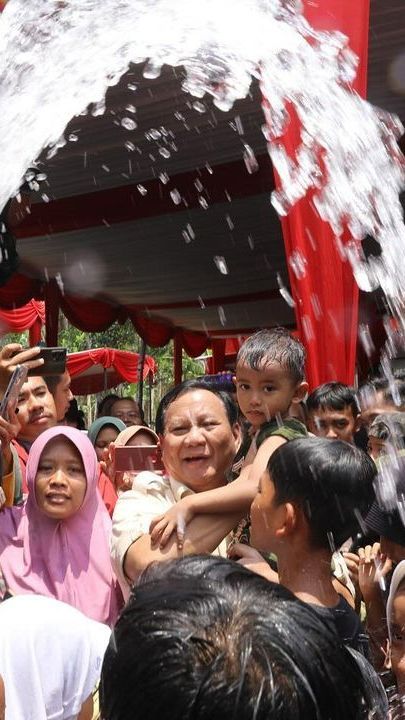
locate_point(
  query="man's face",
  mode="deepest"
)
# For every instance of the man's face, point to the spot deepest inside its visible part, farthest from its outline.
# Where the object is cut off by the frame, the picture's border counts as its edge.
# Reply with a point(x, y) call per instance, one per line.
point(62, 396)
point(263, 394)
point(373, 403)
point(36, 409)
point(127, 411)
point(333, 424)
point(199, 444)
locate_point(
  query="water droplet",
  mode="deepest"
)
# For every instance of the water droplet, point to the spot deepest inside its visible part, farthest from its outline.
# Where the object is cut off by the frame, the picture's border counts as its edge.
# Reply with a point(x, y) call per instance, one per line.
point(132, 86)
point(190, 231)
point(229, 222)
point(164, 178)
point(30, 175)
point(201, 301)
point(141, 189)
point(209, 168)
point(45, 198)
point(164, 152)
point(98, 108)
point(238, 125)
point(130, 108)
point(175, 196)
point(130, 146)
point(106, 168)
point(220, 262)
point(73, 137)
point(221, 314)
point(41, 176)
point(199, 106)
point(152, 70)
point(128, 123)
point(186, 236)
point(298, 264)
point(203, 202)
point(250, 161)
point(198, 185)
point(153, 134)
point(284, 292)
point(251, 242)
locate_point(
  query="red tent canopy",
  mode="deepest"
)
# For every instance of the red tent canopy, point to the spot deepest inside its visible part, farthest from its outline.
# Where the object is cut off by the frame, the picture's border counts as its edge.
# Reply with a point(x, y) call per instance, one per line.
point(103, 368)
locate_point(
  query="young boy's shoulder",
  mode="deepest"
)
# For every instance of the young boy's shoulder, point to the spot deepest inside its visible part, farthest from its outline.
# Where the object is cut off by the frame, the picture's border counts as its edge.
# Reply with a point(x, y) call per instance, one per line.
point(290, 429)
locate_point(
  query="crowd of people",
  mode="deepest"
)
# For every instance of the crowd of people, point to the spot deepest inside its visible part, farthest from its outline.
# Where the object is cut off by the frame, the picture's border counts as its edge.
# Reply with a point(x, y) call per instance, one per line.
point(256, 571)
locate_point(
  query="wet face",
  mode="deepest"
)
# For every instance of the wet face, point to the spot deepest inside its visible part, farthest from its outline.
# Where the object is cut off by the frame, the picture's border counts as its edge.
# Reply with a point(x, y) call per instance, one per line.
point(373, 404)
point(376, 447)
point(60, 482)
point(398, 638)
point(199, 444)
point(333, 424)
point(263, 394)
point(127, 411)
point(266, 516)
point(107, 435)
point(36, 409)
point(62, 396)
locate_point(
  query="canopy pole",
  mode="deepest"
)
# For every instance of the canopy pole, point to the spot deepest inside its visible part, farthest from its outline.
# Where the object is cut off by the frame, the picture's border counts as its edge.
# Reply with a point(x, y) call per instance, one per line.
point(178, 358)
point(141, 365)
point(51, 313)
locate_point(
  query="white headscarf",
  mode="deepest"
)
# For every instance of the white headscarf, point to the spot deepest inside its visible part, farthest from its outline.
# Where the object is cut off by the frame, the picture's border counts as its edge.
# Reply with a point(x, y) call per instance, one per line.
point(50, 657)
point(397, 578)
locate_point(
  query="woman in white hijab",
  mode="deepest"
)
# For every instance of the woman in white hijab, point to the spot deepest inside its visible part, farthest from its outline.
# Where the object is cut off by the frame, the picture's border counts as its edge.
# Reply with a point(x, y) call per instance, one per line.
point(50, 659)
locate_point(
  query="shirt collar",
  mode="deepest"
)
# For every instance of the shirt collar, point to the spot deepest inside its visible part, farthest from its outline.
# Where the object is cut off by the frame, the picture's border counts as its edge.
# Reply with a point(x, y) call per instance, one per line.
point(179, 490)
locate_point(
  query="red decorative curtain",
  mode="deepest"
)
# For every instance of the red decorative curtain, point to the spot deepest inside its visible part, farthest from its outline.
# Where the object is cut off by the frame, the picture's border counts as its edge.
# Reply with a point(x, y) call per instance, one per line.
point(28, 317)
point(121, 364)
point(326, 297)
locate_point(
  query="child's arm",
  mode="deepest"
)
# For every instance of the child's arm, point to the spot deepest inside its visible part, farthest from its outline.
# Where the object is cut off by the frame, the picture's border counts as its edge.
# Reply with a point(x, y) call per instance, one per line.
point(237, 496)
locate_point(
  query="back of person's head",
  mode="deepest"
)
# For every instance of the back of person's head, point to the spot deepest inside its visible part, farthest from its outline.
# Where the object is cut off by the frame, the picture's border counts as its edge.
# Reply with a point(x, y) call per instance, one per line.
point(206, 639)
point(50, 657)
point(331, 481)
point(332, 395)
point(266, 347)
point(186, 387)
point(387, 514)
point(105, 404)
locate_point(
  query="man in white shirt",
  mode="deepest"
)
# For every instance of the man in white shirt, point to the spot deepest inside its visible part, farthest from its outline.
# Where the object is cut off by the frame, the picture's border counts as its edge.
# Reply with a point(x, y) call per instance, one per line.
point(199, 437)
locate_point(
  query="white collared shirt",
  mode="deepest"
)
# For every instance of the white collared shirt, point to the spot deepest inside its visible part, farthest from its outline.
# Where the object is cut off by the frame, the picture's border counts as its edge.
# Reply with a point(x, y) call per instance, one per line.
point(151, 495)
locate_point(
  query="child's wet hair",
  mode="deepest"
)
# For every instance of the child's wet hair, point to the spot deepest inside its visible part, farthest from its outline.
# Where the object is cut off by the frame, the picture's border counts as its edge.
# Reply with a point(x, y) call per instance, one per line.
point(274, 346)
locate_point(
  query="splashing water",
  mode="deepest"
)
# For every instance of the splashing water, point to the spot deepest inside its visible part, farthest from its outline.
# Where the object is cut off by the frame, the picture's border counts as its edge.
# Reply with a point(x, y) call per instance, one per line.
point(58, 57)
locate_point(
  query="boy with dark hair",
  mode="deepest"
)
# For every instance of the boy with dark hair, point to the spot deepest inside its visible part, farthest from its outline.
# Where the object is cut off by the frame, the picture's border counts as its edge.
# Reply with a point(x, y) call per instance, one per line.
point(269, 378)
point(333, 411)
point(204, 639)
point(310, 501)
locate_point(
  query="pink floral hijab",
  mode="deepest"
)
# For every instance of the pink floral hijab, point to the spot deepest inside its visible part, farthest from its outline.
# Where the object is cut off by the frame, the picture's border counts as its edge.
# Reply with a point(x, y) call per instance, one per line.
point(65, 559)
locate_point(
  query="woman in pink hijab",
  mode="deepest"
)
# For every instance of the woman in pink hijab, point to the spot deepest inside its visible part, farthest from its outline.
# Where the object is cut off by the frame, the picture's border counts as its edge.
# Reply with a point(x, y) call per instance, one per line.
point(57, 544)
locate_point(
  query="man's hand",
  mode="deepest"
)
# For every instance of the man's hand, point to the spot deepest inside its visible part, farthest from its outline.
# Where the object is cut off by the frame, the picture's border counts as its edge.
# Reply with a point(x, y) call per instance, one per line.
point(12, 355)
point(253, 560)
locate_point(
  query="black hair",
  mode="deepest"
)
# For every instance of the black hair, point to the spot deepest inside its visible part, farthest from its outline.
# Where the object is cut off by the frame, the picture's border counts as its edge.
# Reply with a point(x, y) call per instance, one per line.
point(330, 480)
point(75, 415)
point(186, 387)
point(52, 382)
point(276, 345)
point(333, 395)
point(206, 639)
point(104, 405)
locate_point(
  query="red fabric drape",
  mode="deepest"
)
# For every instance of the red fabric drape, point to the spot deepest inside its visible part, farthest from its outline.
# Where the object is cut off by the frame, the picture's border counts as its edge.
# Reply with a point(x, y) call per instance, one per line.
point(125, 366)
point(326, 298)
point(23, 318)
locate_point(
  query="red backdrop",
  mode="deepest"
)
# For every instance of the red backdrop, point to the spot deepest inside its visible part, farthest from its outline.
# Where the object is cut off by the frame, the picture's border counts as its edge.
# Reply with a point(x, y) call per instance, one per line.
point(328, 326)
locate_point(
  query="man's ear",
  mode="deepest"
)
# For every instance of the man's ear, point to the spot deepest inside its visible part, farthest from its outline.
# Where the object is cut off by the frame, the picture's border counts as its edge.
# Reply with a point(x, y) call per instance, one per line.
point(357, 422)
point(289, 522)
point(237, 433)
point(301, 391)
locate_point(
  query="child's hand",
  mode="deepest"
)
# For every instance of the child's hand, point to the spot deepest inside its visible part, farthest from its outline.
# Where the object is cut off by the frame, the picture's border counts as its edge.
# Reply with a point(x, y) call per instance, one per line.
point(352, 561)
point(174, 520)
point(253, 560)
point(373, 569)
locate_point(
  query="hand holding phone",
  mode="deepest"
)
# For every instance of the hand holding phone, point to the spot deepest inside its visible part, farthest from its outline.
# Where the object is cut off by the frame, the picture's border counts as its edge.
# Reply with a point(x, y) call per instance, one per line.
point(12, 355)
point(13, 390)
point(137, 458)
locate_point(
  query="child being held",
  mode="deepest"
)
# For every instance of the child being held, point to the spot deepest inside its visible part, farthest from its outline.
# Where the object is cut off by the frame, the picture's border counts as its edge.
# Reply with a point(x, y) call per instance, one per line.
point(269, 378)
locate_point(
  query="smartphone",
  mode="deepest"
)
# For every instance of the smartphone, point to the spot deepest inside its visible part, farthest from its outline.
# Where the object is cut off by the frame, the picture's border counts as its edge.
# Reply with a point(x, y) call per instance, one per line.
point(136, 458)
point(54, 362)
point(17, 380)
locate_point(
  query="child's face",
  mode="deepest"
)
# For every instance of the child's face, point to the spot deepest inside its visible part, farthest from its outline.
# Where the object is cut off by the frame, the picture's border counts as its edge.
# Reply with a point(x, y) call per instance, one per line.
point(263, 394)
point(398, 638)
point(265, 516)
point(334, 424)
point(376, 447)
